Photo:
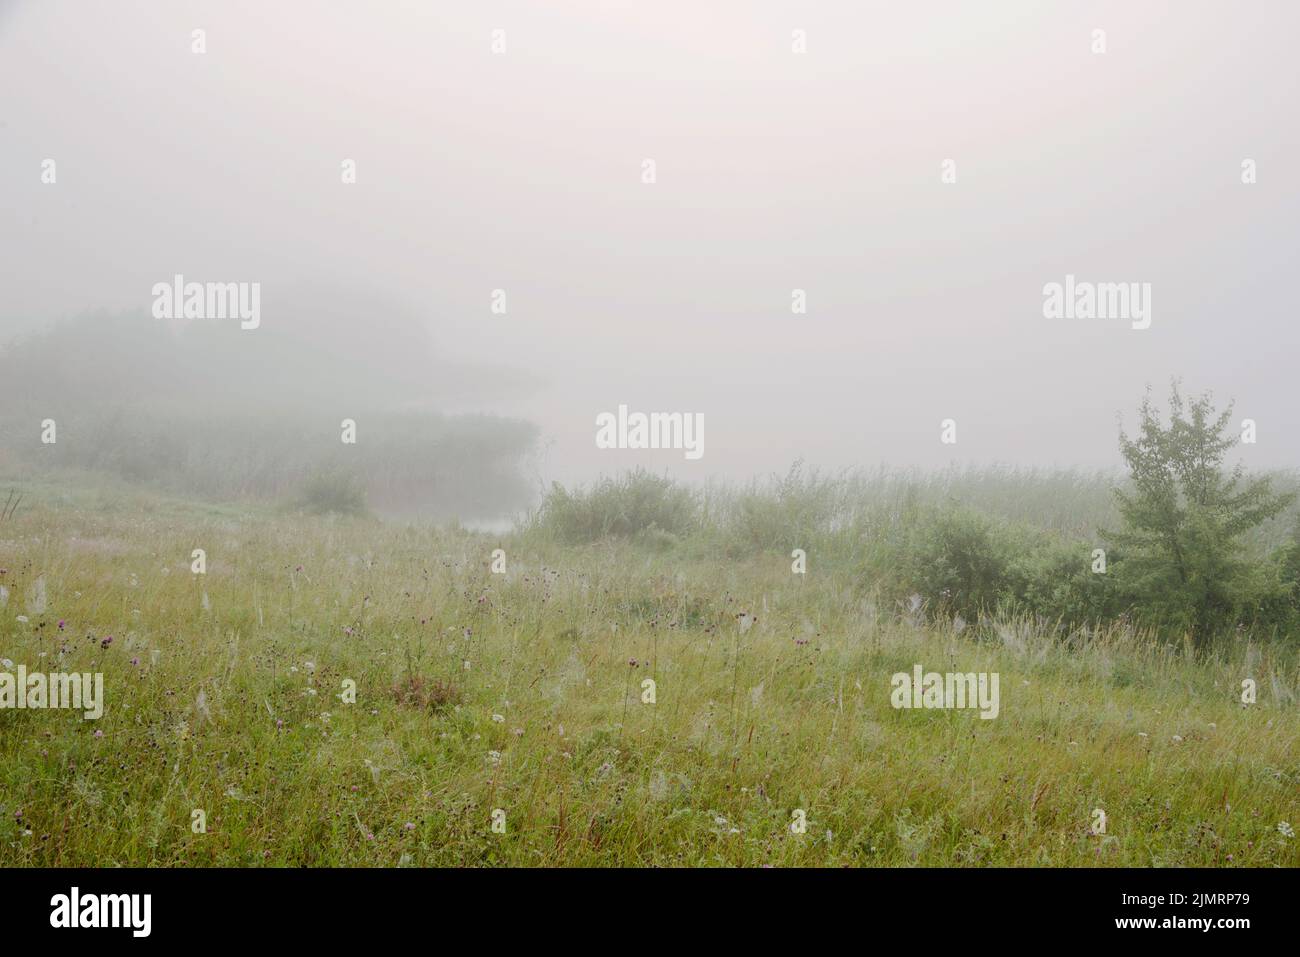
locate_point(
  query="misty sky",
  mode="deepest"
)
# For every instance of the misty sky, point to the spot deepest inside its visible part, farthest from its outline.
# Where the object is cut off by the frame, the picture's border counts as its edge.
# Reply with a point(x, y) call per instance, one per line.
point(775, 171)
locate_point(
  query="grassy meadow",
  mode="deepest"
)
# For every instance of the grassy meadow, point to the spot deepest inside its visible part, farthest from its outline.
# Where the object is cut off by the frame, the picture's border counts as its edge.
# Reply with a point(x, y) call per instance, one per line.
point(522, 692)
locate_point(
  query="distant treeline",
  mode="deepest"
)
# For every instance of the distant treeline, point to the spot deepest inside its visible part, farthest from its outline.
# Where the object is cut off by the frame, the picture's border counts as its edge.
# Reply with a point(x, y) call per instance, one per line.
point(222, 413)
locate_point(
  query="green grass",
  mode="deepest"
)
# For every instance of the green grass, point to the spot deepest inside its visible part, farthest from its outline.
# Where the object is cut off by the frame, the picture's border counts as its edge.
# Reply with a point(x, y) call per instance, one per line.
point(233, 708)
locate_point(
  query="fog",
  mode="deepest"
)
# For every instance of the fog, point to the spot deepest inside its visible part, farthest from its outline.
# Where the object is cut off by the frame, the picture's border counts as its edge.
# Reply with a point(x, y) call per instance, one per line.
point(523, 171)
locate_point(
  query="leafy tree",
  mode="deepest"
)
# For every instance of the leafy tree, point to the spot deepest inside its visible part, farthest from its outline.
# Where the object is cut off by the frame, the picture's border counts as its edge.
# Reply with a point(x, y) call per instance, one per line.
point(1179, 554)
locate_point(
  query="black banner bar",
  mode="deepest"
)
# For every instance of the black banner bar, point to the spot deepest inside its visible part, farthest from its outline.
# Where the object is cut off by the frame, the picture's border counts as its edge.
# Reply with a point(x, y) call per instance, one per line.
point(337, 906)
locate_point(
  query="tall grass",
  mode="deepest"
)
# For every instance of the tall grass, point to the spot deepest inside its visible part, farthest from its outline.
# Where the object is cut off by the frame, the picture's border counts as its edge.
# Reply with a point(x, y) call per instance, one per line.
point(523, 691)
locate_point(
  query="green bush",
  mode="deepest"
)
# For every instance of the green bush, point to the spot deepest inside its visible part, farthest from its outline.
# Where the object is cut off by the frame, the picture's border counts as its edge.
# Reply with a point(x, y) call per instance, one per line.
point(794, 511)
point(633, 504)
point(960, 561)
point(332, 493)
point(1056, 581)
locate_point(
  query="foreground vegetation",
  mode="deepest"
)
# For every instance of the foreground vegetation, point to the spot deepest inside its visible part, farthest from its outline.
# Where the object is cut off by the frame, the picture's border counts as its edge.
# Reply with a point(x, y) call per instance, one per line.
point(522, 691)
point(1186, 547)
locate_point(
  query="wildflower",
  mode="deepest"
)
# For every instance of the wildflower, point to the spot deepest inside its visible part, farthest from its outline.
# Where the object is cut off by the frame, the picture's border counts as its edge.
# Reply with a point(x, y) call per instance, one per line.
point(98, 733)
point(135, 662)
point(409, 825)
point(499, 718)
point(106, 641)
point(6, 662)
point(23, 619)
point(1285, 829)
point(61, 624)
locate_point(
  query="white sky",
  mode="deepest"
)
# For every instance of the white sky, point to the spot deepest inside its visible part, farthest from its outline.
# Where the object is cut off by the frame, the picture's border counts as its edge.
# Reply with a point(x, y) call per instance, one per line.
point(775, 171)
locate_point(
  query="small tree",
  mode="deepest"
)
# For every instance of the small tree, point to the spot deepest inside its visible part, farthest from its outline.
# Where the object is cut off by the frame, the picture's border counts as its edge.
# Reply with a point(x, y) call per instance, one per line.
point(1179, 553)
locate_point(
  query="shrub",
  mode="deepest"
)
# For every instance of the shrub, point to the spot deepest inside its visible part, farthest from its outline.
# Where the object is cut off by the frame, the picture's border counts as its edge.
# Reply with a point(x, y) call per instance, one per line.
point(957, 559)
point(793, 511)
point(332, 493)
point(1056, 581)
point(634, 503)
